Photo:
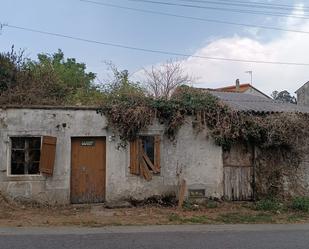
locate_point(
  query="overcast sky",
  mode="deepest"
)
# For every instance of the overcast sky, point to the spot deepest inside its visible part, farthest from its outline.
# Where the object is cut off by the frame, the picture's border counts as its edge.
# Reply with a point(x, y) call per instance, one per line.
point(150, 31)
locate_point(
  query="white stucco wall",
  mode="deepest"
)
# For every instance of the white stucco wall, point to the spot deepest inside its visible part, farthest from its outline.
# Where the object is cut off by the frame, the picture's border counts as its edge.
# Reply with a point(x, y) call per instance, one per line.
point(303, 95)
point(191, 156)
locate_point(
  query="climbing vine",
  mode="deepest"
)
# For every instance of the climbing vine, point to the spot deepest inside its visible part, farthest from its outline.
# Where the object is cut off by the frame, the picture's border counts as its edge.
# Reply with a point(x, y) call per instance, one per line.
point(129, 113)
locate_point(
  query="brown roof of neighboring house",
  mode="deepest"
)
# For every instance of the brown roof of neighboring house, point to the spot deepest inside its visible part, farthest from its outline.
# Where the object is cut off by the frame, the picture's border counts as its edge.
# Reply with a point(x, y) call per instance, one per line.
point(242, 88)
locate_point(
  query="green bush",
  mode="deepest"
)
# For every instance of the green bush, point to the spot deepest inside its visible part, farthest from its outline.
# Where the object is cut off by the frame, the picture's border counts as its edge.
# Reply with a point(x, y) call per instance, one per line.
point(268, 205)
point(300, 204)
point(212, 204)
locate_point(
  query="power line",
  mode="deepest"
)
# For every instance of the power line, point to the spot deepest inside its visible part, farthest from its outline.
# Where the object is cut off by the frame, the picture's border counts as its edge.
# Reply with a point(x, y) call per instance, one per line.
point(267, 4)
point(194, 18)
point(246, 5)
point(279, 14)
point(156, 51)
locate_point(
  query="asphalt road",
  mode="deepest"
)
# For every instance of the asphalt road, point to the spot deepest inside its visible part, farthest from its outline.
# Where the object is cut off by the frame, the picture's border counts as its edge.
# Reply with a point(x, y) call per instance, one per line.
point(169, 237)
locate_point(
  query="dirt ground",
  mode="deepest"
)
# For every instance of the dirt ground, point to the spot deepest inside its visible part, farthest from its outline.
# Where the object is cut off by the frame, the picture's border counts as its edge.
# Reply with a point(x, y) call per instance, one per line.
point(20, 215)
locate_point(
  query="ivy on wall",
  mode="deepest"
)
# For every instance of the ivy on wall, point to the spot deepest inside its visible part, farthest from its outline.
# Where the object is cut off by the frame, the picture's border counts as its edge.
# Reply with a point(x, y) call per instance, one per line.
point(130, 113)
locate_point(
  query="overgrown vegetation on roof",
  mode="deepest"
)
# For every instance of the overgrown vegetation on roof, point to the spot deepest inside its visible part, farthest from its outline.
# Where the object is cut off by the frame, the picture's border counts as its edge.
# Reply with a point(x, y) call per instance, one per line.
point(129, 111)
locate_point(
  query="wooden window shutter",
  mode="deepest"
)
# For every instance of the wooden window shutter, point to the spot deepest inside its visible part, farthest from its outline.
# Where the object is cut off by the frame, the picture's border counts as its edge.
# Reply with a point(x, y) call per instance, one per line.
point(134, 157)
point(140, 163)
point(157, 153)
point(48, 153)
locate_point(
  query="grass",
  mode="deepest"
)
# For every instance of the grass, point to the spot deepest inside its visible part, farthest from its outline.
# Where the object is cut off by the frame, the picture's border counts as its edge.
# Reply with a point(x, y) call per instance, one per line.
point(193, 206)
point(194, 219)
point(233, 218)
point(297, 217)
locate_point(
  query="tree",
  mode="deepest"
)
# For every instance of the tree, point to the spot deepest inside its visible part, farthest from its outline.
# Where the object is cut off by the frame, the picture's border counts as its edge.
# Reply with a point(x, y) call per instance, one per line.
point(162, 80)
point(69, 71)
point(120, 83)
point(51, 79)
point(11, 64)
point(284, 96)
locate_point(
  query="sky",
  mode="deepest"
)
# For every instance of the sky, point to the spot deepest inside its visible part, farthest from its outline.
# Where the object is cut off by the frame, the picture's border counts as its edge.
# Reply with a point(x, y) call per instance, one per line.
point(177, 35)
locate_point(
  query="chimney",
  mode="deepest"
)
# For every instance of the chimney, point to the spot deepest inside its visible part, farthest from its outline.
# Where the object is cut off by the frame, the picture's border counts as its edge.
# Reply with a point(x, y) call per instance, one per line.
point(237, 85)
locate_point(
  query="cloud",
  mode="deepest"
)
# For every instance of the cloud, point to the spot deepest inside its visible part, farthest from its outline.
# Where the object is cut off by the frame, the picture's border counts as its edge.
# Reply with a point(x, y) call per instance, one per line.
point(286, 47)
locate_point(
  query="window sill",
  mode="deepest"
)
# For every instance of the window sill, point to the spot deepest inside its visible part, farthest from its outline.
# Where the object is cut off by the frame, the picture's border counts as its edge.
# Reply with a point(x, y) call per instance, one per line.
point(26, 178)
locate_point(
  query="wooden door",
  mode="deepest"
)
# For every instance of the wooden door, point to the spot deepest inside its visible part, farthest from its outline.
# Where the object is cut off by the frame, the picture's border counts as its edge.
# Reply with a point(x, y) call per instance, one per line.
point(88, 170)
point(238, 173)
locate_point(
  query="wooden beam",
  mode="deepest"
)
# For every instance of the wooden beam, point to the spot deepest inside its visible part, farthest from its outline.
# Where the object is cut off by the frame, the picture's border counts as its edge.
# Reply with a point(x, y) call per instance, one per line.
point(148, 161)
point(182, 192)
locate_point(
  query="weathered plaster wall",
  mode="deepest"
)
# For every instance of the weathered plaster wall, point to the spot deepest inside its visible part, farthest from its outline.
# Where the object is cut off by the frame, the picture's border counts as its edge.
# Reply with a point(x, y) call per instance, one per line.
point(191, 156)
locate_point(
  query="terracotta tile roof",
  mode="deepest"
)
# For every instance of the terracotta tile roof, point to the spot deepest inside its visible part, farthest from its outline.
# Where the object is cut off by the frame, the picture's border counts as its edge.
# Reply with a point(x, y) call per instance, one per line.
point(242, 88)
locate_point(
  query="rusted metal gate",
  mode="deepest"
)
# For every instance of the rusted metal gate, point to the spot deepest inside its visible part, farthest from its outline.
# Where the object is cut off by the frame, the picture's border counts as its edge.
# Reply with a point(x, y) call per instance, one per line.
point(238, 173)
point(88, 170)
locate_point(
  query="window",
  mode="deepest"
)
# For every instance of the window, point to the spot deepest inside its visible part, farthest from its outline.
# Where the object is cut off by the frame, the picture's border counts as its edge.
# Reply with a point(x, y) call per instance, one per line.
point(25, 155)
point(145, 156)
point(33, 155)
point(148, 147)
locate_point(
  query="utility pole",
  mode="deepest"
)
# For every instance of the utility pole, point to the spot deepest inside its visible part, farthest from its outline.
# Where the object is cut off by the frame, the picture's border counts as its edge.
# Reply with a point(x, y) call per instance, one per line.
point(251, 75)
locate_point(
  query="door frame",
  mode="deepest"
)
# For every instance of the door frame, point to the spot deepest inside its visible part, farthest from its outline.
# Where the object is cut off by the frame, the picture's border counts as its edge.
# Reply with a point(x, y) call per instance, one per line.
point(89, 137)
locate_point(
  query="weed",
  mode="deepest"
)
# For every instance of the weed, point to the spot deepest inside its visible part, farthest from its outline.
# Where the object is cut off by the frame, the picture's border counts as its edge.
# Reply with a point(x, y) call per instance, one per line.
point(300, 204)
point(174, 217)
point(296, 217)
point(194, 219)
point(212, 204)
point(190, 206)
point(197, 219)
point(244, 218)
point(269, 205)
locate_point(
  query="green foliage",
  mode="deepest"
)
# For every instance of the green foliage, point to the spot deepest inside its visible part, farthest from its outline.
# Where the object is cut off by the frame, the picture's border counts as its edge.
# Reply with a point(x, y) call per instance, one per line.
point(211, 204)
point(51, 79)
point(284, 96)
point(268, 205)
point(190, 205)
point(300, 204)
point(127, 108)
point(129, 111)
point(11, 68)
point(70, 73)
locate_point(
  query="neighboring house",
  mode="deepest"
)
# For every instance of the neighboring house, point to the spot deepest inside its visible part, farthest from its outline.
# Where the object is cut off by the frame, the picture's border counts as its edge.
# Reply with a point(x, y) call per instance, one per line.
point(242, 88)
point(303, 95)
point(68, 155)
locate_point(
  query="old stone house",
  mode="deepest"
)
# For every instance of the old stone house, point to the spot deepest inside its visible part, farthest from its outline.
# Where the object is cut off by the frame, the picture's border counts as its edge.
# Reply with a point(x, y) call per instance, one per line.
point(70, 155)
